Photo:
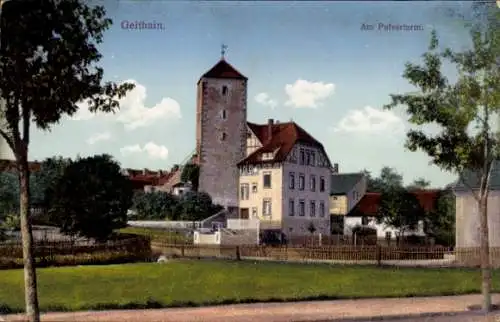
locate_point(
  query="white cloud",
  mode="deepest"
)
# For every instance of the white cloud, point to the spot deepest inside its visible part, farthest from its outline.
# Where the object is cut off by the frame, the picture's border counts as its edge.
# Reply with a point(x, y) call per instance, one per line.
point(266, 100)
point(308, 94)
point(99, 137)
point(133, 113)
point(370, 120)
point(152, 150)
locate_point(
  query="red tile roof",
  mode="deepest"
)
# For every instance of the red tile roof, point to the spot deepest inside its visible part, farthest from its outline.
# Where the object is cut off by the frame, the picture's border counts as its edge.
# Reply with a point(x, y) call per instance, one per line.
point(283, 138)
point(223, 70)
point(368, 205)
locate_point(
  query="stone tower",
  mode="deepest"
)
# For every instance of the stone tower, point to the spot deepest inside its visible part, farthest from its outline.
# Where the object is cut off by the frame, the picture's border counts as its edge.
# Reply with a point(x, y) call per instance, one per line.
point(221, 129)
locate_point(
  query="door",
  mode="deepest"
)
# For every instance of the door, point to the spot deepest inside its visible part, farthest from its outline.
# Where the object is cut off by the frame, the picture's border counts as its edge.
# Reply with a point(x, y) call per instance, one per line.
point(244, 213)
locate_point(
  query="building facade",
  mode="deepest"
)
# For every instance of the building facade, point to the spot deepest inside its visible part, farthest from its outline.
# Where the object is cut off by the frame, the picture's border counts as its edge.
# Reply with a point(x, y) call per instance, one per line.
point(285, 180)
point(221, 115)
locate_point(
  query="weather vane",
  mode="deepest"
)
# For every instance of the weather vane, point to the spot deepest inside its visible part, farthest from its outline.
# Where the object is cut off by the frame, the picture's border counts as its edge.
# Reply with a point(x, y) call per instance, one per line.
point(223, 49)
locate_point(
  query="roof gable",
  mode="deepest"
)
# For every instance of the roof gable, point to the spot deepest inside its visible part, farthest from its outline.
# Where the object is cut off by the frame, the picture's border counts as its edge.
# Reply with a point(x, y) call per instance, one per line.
point(472, 179)
point(368, 205)
point(284, 136)
point(223, 70)
point(341, 184)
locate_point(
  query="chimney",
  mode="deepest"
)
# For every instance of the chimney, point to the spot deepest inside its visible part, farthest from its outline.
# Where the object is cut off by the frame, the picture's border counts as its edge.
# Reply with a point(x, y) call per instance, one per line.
point(335, 168)
point(270, 123)
point(145, 171)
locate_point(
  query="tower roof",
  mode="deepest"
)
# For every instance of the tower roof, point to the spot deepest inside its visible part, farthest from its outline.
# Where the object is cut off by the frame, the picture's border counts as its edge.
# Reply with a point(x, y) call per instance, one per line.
point(223, 70)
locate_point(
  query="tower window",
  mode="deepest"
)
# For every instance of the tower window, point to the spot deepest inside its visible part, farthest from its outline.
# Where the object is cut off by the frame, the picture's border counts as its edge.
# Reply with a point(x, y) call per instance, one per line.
point(224, 90)
point(223, 136)
point(223, 114)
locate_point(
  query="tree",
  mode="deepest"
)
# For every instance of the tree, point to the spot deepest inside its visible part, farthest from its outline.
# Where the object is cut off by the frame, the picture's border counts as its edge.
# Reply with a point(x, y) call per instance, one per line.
point(191, 173)
point(389, 178)
point(419, 184)
point(45, 180)
point(48, 51)
point(195, 206)
point(440, 223)
point(154, 205)
point(92, 198)
point(470, 102)
point(399, 209)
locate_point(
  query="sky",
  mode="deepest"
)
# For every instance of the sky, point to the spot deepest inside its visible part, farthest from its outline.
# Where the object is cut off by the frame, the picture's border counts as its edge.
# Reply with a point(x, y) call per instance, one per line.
point(315, 63)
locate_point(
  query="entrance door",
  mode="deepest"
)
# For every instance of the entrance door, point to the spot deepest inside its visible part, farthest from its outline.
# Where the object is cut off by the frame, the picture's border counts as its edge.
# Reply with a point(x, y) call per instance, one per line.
point(244, 213)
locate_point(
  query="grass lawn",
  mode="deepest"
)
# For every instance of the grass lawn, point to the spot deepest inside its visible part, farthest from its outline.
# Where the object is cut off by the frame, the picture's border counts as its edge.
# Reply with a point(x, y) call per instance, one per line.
point(157, 233)
point(215, 282)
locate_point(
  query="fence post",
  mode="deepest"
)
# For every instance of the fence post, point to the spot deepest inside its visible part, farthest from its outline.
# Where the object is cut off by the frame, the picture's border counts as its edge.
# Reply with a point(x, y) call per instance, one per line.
point(238, 254)
point(182, 250)
point(379, 255)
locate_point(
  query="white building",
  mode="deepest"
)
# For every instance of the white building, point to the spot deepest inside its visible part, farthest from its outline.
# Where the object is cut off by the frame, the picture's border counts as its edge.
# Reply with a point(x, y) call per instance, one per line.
point(285, 180)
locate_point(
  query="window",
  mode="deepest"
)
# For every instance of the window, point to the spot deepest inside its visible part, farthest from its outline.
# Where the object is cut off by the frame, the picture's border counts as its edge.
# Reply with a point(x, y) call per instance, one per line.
point(302, 157)
point(254, 212)
point(388, 235)
point(302, 181)
point(291, 179)
point(266, 207)
point(335, 198)
point(254, 187)
point(249, 135)
point(302, 208)
point(244, 189)
point(223, 114)
point(224, 90)
point(322, 209)
point(267, 180)
point(313, 158)
point(312, 182)
point(322, 184)
point(364, 221)
point(293, 156)
point(223, 136)
point(308, 157)
point(312, 208)
point(291, 207)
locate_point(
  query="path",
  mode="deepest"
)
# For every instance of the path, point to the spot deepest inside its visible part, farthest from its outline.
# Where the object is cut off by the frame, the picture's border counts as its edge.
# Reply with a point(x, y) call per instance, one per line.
point(288, 312)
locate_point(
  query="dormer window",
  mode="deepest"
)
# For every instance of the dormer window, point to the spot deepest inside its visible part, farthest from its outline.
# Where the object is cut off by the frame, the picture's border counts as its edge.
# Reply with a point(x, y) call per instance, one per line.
point(224, 90)
point(267, 156)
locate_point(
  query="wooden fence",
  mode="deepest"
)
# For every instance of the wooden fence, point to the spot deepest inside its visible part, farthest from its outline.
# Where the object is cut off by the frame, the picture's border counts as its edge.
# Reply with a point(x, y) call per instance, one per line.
point(341, 254)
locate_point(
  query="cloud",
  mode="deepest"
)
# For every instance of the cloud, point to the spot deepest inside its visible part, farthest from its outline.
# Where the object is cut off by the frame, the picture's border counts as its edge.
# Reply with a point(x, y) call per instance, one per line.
point(133, 113)
point(370, 120)
point(152, 150)
point(265, 99)
point(99, 137)
point(306, 94)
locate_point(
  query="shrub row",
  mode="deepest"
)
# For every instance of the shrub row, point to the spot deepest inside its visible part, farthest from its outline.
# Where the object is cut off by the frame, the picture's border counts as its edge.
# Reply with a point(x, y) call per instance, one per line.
point(96, 258)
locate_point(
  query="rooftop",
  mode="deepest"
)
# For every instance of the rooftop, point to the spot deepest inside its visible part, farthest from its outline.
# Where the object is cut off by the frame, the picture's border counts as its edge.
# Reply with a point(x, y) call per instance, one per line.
point(341, 184)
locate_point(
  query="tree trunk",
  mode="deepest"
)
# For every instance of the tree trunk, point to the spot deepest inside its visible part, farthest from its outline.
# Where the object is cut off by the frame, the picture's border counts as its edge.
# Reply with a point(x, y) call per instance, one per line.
point(485, 254)
point(30, 284)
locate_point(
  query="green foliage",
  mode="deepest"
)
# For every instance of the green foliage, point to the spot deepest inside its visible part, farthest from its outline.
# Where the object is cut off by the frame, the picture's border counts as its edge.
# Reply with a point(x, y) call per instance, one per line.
point(440, 223)
point(45, 180)
point(456, 108)
point(419, 184)
point(399, 209)
point(48, 45)
point(10, 222)
point(154, 205)
point(191, 173)
point(92, 197)
point(195, 206)
point(389, 178)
